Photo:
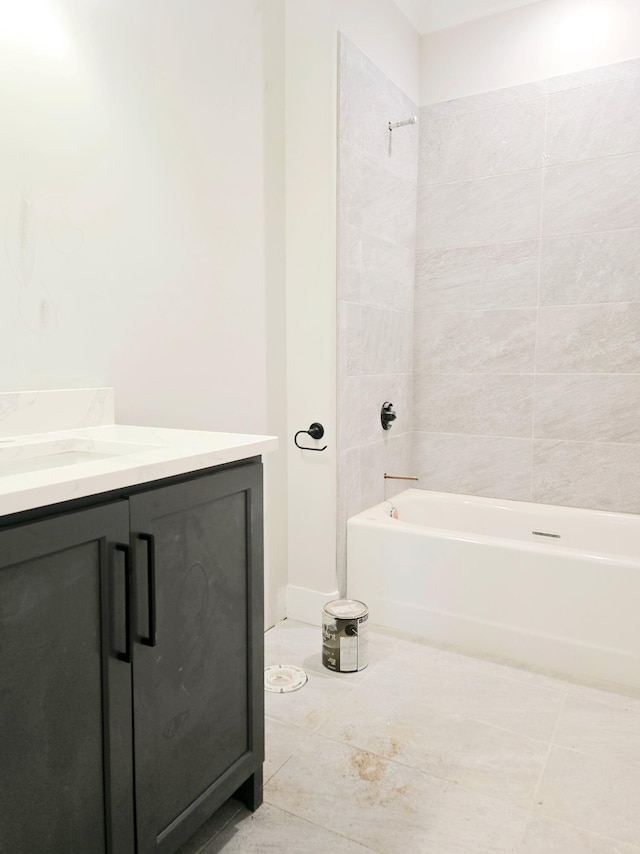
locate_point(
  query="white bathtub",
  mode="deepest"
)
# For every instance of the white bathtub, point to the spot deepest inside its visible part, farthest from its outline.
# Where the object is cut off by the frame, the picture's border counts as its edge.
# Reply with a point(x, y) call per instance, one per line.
point(472, 573)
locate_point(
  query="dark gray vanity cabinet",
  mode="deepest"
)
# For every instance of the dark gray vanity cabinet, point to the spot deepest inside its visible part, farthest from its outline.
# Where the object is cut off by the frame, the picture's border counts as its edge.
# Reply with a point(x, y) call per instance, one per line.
point(198, 702)
point(65, 688)
point(131, 661)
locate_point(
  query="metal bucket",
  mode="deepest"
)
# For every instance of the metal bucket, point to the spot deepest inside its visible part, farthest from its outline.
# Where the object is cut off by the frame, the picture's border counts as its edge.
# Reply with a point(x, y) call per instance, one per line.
point(344, 635)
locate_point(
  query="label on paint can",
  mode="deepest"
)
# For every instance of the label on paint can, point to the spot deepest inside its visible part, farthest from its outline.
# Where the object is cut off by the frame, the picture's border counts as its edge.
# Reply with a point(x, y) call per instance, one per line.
point(344, 635)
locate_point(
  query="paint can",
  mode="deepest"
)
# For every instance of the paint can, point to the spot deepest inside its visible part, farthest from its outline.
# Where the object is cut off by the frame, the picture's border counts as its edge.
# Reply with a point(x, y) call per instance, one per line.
point(344, 635)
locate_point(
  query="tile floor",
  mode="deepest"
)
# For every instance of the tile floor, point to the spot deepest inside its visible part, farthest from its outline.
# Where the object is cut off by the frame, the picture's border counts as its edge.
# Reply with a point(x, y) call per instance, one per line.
point(431, 751)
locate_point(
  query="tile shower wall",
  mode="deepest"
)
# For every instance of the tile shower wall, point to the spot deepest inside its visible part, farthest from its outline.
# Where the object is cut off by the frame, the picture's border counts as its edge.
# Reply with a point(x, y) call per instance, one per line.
point(527, 302)
point(376, 270)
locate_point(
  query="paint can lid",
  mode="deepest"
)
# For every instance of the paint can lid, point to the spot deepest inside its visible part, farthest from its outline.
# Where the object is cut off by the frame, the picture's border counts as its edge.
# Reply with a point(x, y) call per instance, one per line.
point(283, 678)
point(345, 609)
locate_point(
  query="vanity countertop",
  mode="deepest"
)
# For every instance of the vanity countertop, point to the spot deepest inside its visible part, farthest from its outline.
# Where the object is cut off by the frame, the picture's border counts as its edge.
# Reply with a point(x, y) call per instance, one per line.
point(38, 469)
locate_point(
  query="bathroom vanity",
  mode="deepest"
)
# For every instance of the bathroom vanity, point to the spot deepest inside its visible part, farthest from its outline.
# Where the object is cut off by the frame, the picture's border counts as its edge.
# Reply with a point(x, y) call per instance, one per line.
point(131, 635)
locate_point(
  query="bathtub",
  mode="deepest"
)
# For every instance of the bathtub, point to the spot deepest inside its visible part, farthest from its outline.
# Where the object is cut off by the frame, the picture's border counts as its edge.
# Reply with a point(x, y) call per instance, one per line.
point(556, 589)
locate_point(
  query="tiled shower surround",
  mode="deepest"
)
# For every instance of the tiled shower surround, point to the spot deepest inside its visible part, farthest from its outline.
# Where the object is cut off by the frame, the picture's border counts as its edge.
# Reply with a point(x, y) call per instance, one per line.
point(376, 259)
point(525, 376)
point(527, 301)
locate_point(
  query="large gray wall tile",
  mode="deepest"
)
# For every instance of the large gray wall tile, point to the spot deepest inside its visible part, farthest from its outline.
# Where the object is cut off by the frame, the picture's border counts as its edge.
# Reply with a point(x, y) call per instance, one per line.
point(587, 407)
point(595, 195)
point(388, 274)
point(584, 268)
point(349, 249)
point(350, 339)
point(582, 474)
point(350, 413)
point(375, 271)
point(474, 465)
point(459, 146)
point(499, 342)
point(480, 404)
point(594, 121)
point(386, 337)
point(589, 338)
point(372, 474)
point(368, 102)
point(485, 210)
point(348, 55)
point(375, 199)
point(349, 495)
point(374, 340)
point(502, 275)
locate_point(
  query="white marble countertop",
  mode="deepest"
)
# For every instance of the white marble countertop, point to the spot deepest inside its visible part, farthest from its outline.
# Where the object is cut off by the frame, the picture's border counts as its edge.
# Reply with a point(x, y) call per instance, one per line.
point(38, 469)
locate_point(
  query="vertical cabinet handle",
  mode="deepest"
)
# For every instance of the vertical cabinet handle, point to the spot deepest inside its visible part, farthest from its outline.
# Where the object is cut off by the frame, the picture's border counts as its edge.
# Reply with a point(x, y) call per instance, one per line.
point(126, 655)
point(149, 539)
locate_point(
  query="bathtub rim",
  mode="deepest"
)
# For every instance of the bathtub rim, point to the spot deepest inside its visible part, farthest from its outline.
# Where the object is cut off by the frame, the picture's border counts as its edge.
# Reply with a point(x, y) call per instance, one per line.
point(378, 515)
point(458, 497)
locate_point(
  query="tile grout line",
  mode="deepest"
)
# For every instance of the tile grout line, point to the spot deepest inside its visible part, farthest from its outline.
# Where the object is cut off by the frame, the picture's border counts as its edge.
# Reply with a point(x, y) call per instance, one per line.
point(452, 247)
point(397, 245)
point(364, 304)
point(459, 246)
point(530, 818)
point(433, 311)
point(539, 288)
point(525, 439)
point(595, 833)
point(491, 176)
point(518, 374)
point(321, 826)
point(597, 757)
point(551, 744)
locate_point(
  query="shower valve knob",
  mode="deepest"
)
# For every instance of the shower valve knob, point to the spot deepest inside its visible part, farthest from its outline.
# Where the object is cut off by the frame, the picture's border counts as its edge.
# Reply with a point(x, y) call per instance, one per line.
point(387, 415)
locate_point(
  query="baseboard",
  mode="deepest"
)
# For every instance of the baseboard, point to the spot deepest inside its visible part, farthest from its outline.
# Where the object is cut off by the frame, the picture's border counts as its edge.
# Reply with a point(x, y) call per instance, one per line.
point(305, 605)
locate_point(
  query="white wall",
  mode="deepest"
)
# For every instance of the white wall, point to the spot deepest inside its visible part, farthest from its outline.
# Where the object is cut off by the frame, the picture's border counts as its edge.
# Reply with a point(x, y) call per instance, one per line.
point(276, 499)
point(385, 35)
point(134, 132)
point(542, 40)
point(132, 212)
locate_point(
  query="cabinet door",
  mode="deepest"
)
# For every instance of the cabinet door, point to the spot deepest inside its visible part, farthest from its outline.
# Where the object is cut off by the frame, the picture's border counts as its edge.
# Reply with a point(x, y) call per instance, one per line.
point(198, 662)
point(65, 695)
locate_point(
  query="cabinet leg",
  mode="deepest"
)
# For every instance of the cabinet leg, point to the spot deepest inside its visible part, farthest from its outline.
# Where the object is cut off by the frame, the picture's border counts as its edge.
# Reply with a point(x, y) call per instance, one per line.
point(250, 792)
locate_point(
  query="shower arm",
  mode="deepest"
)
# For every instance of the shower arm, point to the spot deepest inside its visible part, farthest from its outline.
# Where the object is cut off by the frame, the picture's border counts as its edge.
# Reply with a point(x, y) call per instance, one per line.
point(400, 477)
point(412, 121)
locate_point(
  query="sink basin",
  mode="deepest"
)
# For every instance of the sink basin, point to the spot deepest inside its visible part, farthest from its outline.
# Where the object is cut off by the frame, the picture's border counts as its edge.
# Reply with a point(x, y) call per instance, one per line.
point(38, 456)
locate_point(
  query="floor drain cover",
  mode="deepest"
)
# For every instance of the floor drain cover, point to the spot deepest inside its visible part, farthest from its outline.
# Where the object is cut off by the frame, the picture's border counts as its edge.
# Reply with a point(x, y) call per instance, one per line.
point(283, 678)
